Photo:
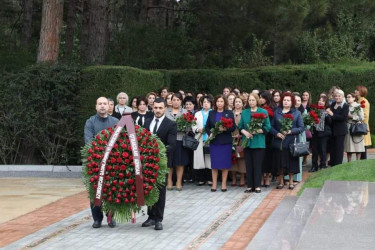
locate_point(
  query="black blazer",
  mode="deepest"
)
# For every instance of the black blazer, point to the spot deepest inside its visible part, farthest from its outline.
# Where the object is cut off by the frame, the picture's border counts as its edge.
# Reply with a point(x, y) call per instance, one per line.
point(339, 117)
point(225, 137)
point(117, 115)
point(167, 132)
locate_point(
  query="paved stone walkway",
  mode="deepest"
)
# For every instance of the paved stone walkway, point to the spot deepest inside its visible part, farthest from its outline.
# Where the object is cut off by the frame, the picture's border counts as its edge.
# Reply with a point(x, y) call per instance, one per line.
point(194, 219)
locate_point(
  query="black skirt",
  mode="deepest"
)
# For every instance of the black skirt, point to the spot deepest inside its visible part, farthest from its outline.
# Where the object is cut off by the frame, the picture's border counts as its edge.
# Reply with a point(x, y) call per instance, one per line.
point(180, 155)
point(285, 163)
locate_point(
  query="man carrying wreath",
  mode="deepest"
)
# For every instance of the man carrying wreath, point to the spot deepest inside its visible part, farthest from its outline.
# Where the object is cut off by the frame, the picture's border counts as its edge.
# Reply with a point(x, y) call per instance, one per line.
point(94, 125)
point(166, 130)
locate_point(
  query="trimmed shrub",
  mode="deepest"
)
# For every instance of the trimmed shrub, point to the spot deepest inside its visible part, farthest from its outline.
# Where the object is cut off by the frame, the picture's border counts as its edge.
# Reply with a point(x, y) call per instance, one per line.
point(43, 108)
point(108, 81)
point(314, 78)
point(38, 114)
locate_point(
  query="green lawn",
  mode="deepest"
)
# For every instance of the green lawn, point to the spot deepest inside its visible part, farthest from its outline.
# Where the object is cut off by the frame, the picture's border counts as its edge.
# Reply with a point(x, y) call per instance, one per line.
point(351, 171)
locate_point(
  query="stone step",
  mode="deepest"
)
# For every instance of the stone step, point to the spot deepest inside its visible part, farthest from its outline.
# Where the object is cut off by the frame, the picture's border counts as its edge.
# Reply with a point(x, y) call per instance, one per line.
point(343, 217)
point(273, 224)
point(290, 232)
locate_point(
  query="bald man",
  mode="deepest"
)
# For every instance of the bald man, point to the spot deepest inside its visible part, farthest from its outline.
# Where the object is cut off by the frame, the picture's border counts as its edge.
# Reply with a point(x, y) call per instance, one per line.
point(100, 121)
point(93, 126)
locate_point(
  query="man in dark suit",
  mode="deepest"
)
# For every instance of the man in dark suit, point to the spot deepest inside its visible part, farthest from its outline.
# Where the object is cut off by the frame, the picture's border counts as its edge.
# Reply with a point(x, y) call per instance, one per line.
point(166, 130)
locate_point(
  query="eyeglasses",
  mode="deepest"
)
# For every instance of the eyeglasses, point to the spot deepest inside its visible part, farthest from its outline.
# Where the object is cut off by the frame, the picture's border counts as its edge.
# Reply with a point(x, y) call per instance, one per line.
point(122, 98)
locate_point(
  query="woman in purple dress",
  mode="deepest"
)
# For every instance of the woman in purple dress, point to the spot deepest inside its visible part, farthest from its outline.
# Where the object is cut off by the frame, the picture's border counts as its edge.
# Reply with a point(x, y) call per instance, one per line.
point(221, 146)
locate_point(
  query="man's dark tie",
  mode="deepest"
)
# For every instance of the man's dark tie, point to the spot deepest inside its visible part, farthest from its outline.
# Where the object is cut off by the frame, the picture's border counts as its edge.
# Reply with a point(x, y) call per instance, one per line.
point(156, 126)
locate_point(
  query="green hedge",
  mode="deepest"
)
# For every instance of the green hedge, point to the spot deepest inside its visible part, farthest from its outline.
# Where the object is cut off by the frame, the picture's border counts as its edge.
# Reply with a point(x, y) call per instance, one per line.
point(37, 114)
point(315, 78)
point(43, 108)
point(109, 81)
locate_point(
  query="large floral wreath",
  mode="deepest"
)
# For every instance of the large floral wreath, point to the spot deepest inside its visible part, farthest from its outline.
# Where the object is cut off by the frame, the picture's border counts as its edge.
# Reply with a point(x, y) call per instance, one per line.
point(119, 188)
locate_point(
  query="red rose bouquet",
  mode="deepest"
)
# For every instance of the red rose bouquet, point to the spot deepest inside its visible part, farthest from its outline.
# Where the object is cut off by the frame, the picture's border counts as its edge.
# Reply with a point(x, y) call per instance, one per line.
point(317, 109)
point(256, 123)
point(224, 123)
point(310, 118)
point(357, 110)
point(269, 111)
point(119, 185)
point(286, 125)
point(186, 122)
point(363, 104)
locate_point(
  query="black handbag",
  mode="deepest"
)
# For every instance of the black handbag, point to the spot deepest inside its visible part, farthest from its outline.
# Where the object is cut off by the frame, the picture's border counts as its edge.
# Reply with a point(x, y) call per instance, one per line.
point(298, 149)
point(358, 128)
point(206, 149)
point(189, 142)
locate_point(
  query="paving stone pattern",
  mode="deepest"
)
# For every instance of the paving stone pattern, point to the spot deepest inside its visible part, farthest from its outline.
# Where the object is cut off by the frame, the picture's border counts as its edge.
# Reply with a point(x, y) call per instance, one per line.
point(189, 215)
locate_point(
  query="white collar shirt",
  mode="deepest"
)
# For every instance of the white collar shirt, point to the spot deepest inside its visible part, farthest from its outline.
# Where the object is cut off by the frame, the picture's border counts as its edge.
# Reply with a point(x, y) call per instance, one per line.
point(153, 122)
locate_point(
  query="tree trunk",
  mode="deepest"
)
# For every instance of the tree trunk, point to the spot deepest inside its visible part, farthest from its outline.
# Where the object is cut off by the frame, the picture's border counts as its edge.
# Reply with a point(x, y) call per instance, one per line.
point(70, 25)
point(26, 22)
point(144, 11)
point(85, 28)
point(159, 12)
point(95, 32)
point(52, 15)
point(111, 19)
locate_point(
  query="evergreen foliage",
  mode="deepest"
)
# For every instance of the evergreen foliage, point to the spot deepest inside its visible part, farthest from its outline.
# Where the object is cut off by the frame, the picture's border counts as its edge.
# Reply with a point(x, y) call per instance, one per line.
point(44, 108)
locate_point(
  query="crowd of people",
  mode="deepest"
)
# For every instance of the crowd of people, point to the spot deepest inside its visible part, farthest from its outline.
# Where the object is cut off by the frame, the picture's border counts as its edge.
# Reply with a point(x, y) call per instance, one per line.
point(256, 144)
point(266, 154)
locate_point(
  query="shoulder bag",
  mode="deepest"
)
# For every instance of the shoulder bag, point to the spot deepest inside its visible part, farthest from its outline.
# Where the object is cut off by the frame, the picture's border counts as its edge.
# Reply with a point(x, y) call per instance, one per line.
point(358, 128)
point(189, 141)
point(298, 149)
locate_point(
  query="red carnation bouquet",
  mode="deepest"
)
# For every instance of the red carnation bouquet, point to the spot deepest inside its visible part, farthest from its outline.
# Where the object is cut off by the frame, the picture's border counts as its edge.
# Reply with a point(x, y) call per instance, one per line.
point(256, 123)
point(286, 125)
point(119, 185)
point(224, 123)
point(186, 122)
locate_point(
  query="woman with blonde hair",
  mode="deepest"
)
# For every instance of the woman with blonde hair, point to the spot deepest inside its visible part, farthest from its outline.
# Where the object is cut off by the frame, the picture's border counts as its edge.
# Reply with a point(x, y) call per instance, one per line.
point(256, 143)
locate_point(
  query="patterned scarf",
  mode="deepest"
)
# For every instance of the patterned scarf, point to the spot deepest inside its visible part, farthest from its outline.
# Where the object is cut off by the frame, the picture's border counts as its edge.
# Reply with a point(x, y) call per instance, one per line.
point(320, 125)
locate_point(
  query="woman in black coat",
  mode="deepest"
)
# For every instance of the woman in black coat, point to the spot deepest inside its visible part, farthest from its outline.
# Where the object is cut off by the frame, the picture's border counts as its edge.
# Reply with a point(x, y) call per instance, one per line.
point(321, 134)
point(338, 111)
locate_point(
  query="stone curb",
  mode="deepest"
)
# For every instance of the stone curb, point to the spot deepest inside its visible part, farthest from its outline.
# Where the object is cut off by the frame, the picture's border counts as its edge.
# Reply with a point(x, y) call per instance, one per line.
point(53, 171)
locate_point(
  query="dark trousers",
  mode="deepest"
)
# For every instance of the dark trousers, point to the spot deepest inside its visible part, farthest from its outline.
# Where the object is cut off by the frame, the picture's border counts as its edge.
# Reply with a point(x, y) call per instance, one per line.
point(364, 154)
point(319, 148)
point(203, 175)
point(156, 212)
point(254, 161)
point(96, 212)
point(337, 150)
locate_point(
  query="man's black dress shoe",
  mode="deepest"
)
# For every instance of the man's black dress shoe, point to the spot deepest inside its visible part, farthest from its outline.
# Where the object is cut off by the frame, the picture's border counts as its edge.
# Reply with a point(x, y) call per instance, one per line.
point(148, 223)
point(111, 222)
point(158, 225)
point(97, 224)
